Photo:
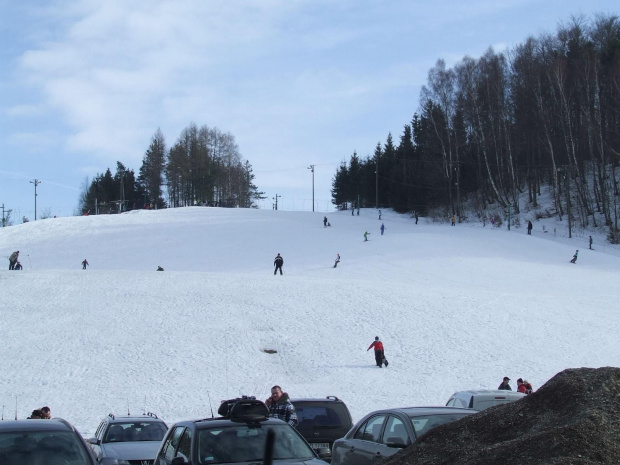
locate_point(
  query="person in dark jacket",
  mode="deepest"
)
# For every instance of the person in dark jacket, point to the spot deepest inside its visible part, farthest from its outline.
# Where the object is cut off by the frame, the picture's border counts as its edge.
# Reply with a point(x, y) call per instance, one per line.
point(574, 259)
point(505, 386)
point(13, 259)
point(84, 264)
point(280, 406)
point(337, 260)
point(379, 354)
point(18, 266)
point(278, 262)
point(529, 227)
point(324, 221)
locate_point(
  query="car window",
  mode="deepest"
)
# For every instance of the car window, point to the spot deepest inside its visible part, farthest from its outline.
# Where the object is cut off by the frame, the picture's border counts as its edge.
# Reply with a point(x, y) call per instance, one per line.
point(242, 443)
point(185, 445)
point(28, 447)
point(172, 442)
point(423, 424)
point(395, 432)
point(136, 431)
point(317, 415)
point(371, 429)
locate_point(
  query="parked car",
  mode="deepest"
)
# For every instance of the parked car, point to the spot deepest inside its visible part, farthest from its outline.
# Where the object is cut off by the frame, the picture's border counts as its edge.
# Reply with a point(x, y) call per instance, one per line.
point(385, 432)
point(50, 442)
point(237, 437)
point(482, 398)
point(322, 421)
point(128, 439)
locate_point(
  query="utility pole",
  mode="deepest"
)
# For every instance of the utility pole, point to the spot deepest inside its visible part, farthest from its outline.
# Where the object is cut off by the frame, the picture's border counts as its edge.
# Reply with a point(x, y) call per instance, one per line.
point(8, 212)
point(376, 180)
point(311, 168)
point(36, 182)
point(276, 199)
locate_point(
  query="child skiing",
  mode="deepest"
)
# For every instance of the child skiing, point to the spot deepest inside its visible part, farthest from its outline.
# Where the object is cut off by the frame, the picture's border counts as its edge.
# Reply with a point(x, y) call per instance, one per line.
point(574, 260)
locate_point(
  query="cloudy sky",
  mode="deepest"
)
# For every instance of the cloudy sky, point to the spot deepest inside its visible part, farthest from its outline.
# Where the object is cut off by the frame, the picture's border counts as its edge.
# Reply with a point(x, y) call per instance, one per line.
point(84, 83)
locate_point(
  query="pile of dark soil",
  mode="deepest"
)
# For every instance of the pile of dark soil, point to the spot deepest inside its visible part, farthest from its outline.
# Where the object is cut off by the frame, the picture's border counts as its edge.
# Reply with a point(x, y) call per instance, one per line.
point(573, 419)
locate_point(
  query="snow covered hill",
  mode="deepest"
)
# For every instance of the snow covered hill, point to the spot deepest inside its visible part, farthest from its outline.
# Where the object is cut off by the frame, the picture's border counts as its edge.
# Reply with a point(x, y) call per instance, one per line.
point(456, 307)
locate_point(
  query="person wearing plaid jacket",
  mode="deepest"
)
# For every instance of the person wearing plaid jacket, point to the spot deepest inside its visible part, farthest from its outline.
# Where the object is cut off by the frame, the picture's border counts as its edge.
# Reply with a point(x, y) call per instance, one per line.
point(280, 406)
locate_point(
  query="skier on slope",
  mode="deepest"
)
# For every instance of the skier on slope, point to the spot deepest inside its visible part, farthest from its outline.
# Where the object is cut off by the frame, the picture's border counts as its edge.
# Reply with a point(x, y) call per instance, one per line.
point(574, 259)
point(337, 260)
point(278, 262)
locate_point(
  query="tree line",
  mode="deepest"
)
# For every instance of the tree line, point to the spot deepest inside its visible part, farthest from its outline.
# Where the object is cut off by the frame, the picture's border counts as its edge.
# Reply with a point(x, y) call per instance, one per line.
point(545, 113)
point(203, 167)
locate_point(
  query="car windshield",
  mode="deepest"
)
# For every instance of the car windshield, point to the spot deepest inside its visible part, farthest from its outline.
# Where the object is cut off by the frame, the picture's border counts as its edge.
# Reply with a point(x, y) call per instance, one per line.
point(135, 431)
point(322, 416)
point(243, 443)
point(42, 447)
point(425, 423)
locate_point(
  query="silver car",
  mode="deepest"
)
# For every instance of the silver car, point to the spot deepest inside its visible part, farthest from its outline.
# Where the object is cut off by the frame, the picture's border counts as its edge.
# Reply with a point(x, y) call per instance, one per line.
point(128, 440)
point(385, 432)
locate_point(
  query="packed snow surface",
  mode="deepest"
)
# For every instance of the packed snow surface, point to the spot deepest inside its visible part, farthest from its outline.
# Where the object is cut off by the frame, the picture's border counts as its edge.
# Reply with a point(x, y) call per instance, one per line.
point(456, 308)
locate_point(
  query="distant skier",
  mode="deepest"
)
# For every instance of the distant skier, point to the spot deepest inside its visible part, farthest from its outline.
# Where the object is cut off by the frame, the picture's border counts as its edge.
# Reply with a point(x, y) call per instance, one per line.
point(324, 221)
point(13, 259)
point(453, 220)
point(574, 259)
point(590, 242)
point(379, 354)
point(382, 228)
point(529, 228)
point(278, 262)
point(366, 236)
point(379, 214)
point(337, 260)
point(84, 264)
point(18, 266)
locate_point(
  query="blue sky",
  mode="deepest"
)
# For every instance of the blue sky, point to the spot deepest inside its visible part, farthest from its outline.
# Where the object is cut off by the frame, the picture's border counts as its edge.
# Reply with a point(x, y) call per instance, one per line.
point(85, 83)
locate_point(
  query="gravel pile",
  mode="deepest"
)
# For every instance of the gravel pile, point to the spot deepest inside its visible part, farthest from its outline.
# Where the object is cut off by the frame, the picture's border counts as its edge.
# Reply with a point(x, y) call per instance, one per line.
point(573, 419)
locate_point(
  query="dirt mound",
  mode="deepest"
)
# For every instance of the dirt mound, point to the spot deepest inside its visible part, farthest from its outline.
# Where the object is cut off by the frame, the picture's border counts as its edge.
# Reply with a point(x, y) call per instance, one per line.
point(573, 419)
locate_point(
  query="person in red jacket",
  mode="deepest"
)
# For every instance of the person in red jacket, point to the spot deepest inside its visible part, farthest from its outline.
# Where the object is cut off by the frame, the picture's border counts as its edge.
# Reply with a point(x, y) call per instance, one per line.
point(379, 355)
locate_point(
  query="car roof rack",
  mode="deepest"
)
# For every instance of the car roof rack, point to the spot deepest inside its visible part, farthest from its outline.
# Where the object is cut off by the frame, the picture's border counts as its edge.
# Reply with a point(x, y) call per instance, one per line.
point(111, 416)
point(245, 409)
point(151, 414)
point(332, 397)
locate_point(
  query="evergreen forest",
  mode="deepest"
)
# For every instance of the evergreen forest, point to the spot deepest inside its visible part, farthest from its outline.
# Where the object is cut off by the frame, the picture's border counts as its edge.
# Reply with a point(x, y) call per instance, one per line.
point(203, 167)
point(488, 130)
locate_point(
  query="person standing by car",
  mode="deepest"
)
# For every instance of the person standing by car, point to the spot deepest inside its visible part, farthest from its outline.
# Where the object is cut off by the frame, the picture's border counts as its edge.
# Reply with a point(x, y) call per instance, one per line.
point(46, 413)
point(278, 262)
point(379, 355)
point(281, 407)
point(505, 386)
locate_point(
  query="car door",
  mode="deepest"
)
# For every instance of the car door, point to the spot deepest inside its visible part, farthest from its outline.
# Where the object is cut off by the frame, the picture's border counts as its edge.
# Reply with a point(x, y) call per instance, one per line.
point(395, 437)
point(168, 450)
point(99, 437)
point(363, 447)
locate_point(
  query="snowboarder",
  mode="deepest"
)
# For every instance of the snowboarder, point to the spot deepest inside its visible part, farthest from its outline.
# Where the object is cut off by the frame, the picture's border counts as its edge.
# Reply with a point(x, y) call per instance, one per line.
point(382, 228)
point(574, 259)
point(13, 259)
point(337, 260)
point(366, 236)
point(18, 266)
point(324, 221)
point(379, 354)
point(529, 228)
point(278, 262)
point(84, 264)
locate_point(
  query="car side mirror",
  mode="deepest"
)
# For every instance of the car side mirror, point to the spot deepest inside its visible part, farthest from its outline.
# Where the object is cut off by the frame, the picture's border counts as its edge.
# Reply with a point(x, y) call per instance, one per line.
point(93, 441)
point(178, 461)
point(323, 452)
